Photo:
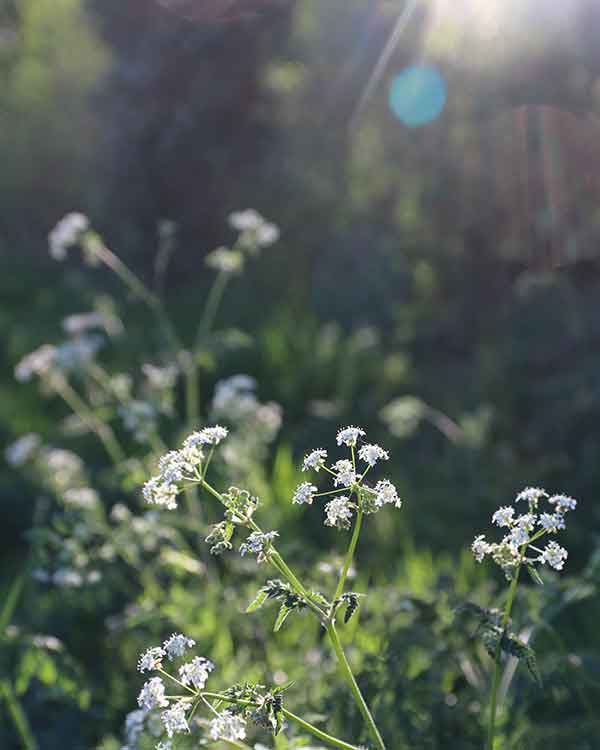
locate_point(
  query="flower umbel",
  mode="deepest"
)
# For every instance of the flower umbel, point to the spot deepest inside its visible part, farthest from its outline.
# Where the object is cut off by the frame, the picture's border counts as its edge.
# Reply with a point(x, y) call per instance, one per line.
point(525, 530)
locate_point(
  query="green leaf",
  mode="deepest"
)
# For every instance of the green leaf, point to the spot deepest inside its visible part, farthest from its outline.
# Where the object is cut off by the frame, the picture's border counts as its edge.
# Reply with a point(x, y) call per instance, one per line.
point(514, 646)
point(281, 617)
point(535, 575)
point(257, 602)
point(286, 686)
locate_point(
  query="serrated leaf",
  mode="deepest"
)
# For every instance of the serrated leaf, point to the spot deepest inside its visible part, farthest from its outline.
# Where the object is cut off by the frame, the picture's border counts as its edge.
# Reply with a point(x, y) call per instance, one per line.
point(532, 666)
point(535, 575)
point(514, 646)
point(257, 602)
point(281, 617)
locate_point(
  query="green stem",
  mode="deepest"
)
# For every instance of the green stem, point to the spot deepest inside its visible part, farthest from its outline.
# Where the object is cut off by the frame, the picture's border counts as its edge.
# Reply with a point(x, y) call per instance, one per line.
point(18, 716)
point(276, 557)
point(307, 726)
point(140, 290)
point(349, 556)
point(213, 300)
point(87, 416)
point(496, 678)
point(350, 679)
point(12, 599)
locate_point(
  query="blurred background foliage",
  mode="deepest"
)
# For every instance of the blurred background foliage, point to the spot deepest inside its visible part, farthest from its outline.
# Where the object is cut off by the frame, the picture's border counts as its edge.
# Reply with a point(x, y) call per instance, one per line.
point(437, 285)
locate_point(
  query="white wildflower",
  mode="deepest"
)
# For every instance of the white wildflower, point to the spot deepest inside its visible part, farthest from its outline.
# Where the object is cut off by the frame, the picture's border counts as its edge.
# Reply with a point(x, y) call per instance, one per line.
point(224, 260)
point(160, 377)
point(196, 671)
point(134, 726)
point(503, 516)
point(344, 469)
point(305, 493)
point(517, 537)
point(158, 492)
point(176, 645)
point(480, 548)
point(338, 512)
point(258, 543)
point(39, 362)
point(527, 521)
point(228, 726)
point(174, 718)
point(552, 521)
point(349, 436)
point(19, 452)
point(163, 745)
point(267, 234)
point(314, 460)
point(67, 577)
point(171, 467)
point(152, 695)
point(371, 453)
point(209, 435)
point(77, 324)
point(192, 452)
point(151, 659)
point(554, 555)
point(84, 498)
point(244, 221)
point(563, 503)
point(76, 353)
point(67, 233)
point(386, 494)
point(532, 495)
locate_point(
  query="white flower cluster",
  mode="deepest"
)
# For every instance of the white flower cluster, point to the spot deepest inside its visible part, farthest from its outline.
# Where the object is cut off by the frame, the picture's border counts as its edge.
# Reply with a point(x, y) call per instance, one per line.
point(153, 696)
point(23, 449)
point(228, 726)
point(49, 360)
point(258, 543)
point(255, 424)
point(176, 467)
point(348, 477)
point(255, 231)
point(66, 233)
point(38, 363)
point(524, 530)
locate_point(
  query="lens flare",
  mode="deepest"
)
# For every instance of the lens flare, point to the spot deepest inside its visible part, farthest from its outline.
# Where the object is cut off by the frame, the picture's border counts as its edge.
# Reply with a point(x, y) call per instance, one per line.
point(417, 95)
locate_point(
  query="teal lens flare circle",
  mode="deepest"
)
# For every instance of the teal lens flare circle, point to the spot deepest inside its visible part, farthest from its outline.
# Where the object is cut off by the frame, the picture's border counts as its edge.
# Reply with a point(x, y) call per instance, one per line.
point(418, 95)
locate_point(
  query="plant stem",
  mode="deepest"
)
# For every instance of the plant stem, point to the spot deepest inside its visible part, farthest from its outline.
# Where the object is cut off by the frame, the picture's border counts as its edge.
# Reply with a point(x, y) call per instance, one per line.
point(307, 726)
point(211, 307)
point(281, 565)
point(276, 558)
point(334, 741)
point(213, 300)
point(87, 416)
point(496, 678)
point(350, 679)
point(140, 290)
point(18, 716)
point(349, 556)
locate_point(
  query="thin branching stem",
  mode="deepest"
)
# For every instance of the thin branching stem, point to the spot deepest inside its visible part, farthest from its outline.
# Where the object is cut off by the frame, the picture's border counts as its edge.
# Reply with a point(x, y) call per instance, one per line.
point(87, 416)
point(496, 677)
point(18, 716)
point(353, 685)
point(349, 555)
point(306, 725)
